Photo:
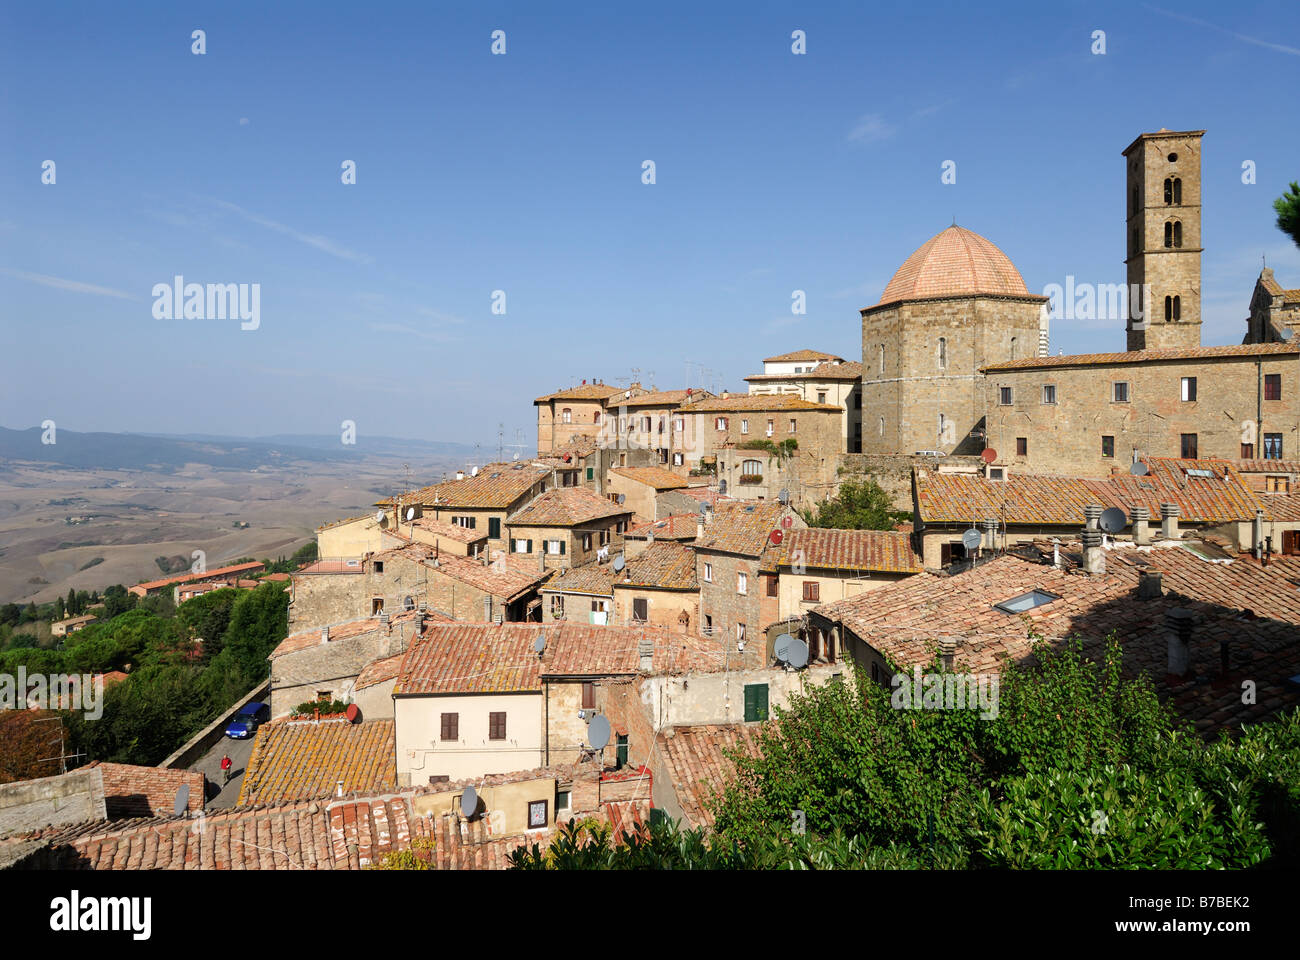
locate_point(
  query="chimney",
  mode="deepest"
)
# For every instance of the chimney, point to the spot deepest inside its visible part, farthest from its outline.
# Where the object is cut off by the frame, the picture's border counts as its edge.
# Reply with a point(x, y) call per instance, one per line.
point(1258, 535)
point(1141, 518)
point(419, 622)
point(324, 634)
point(1092, 516)
point(646, 650)
point(1178, 624)
point(947, 650)
point(1056, 554)
point(990, 533)
point(1169, 521)
point(1150, 584)
point(699, 529)
point(487, 608)
point(383, 620)
point(1094, 557)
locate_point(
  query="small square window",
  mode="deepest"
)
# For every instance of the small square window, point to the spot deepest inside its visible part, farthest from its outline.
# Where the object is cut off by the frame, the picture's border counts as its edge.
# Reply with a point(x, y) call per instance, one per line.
point(812, 591)
point(1004, 396)
point(1119, 392)
point(1108, 446)
point(1188, 444)
point(1022, 446)
point(1272, 386)
point(1189, 389)
point(1049, 393)
point(537, 815)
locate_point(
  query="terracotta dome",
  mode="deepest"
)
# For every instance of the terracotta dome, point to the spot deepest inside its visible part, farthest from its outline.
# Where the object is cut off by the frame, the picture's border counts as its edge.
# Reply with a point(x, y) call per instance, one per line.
point(955, 262)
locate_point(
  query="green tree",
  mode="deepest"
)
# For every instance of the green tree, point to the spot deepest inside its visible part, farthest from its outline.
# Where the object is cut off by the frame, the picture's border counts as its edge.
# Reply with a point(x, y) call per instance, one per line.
point(860, 505)
point(118, 600)
point(1288, 213)
point(71, 605)
point(207, 617)
point(10, 614)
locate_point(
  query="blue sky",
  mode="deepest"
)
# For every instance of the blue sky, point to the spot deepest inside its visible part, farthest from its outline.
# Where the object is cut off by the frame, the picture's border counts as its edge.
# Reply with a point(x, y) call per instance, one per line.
point(522, 173)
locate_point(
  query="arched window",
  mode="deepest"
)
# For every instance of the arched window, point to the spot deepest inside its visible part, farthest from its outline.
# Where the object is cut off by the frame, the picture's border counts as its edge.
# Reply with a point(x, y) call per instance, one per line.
point(1169, 233)
point(566, 415)
point(1178, 308)
point(1013, 348)
point(1169, 309)
point(882, 426)
point(1178, 233)
point(1169, 190)
point(1178, 190)
point(943, 353)
point(882, 359)
point(752, 468)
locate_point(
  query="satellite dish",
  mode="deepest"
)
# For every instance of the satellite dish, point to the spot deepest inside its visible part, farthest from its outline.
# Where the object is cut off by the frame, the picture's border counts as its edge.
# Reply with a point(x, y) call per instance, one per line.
point(782, 646)
point(722, 487)
point(619, 562)
point(379, 517)
point(599, 732)
point(539, 644)
point(410, 513)
point(971, 539)
point(408, 604)
point(1139, 469)
point(776, 536)
point(797, 654)
point(353, 713)
point(1113, 520)
point(516, 456)
point(622, 497)
point(787, 522)
point(704, 508)
point(469, 802)
point(784, 495)
point(474, 472)
point(988, 454)
point(182, 801)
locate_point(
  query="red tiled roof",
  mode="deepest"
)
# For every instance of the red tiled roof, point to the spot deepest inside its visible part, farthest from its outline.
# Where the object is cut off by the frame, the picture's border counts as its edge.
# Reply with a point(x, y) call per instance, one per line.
point(665, 565)
point(306, 639)
point(742, 526)
point(301, 759)
point(565, 507)
point(698, 767)
point(761, 403)
point(207, 575)
point(586, 391)
point(678, 526)
point(1045, 499)
point(497, 486)
point(1148, 356)
point(797, 355)
point(955, 262)
point(377, 671)
point(831, 370)
point(594, 579)
point(883, 551)
point(445, 528)
point(656, 477)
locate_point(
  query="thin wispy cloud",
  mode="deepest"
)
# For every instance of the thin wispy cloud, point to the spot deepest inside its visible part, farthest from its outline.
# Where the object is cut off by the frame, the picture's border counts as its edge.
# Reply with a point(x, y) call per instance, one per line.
point(73, 286)
point(322, 243)
point(871, 128)
point(1244, 38)
point(437, 335)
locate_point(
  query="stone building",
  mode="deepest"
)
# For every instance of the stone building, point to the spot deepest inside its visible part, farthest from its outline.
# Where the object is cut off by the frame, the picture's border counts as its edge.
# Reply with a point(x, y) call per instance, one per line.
point(640, 487)
point(1164, 239)
point(567, 528)
point(955, 305)
point(568, 415)
point(659, 587)
point(819, 378)
point(1274, 311)
point(581, 595)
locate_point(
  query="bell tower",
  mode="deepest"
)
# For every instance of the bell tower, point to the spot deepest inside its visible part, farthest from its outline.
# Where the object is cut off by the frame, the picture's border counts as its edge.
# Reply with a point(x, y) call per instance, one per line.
point(1164, 240)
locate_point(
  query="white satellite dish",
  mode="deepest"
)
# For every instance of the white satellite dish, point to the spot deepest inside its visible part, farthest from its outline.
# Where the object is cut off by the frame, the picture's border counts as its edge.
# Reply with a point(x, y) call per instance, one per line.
point(379, 517)
point(619, 563)
point(410, 513)
point(474, 472)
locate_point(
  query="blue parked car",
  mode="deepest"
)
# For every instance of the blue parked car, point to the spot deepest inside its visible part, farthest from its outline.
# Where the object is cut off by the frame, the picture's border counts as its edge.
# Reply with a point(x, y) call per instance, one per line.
point(246, 722)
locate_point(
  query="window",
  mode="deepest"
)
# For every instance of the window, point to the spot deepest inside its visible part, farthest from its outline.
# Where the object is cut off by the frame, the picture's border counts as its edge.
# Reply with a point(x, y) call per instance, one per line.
point(1272, 386)
point(1022, 446)
point(752, 468)
point(740, 632)
point(604, 537)
point(555, 548)
point(771, 427)
point(744, 426)
point(562, 800)
point(812, 591)
point(943, 353)
point(1173, 233)
point(566, 415)
point(857, 400)
point(586, 541)
point(1108, 446)
point(645, 424)
point(376, 606)
point(708, 625)
point(1277, 485)
point(881, 426)
point(793, 426)
point(742, 583)
point(1133, 241)
point(1189, 389)
point(720, 423)
point(772, 584)
point(1013, 348)
point(1248, 451)
point(1173, 191)
point(755, 702)
point(379, 566)
point(588, 695)
point(1119, 392)
point(678, 460)
point(640, 609)
point(595, 417)
point(1026, 601)
point(882, 359)
point(1272, 446)
point(1188, 446)
point(497, 725)
point(467, 523)
point(1049, 393)
point(557, 606)
point(1173, 309)
point(450, 726)
point(821, 396)
point(1004, 396)
point(1133, 198)
point(708, 573)
point(521, 546)
point(537, 817)
point(494, 524)
point(679, 424)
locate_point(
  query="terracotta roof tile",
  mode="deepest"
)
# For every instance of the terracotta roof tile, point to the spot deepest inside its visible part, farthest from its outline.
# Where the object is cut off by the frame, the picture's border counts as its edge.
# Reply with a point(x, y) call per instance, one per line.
point(447, 529)
point(797, 355)
point(1148, 356)
point(497, 486)
point(656, 477)
point(586, 391)
point(955, 262)
point(665, 565)
point(742, 526)
point(882, 551)
point(761, 403)
point(565, 507)
point(698, 766)
point(593, 578)
point(678, 526)
point(302, 759)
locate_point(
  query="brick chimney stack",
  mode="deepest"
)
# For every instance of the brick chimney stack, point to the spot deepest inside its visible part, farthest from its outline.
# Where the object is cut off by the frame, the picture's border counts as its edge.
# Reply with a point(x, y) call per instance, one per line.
point(1150, 585)
point(1178, 624)
point(1094, 557)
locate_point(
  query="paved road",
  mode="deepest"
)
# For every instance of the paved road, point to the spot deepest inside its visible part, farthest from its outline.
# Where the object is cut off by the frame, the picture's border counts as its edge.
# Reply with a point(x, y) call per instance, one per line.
point(210, 765)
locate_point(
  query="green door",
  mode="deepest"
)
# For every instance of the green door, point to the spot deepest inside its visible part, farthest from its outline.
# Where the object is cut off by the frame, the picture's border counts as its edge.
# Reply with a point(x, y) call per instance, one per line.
point(755, 701)
point(620, 754)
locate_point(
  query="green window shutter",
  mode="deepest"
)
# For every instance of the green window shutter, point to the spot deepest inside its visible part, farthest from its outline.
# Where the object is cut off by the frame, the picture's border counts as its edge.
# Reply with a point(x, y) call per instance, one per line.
point(494, 528)
point(591, 473)
point(755, 701)
point(561, 548)
point(530, 546)
point(620, 754)
point(512, 544)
